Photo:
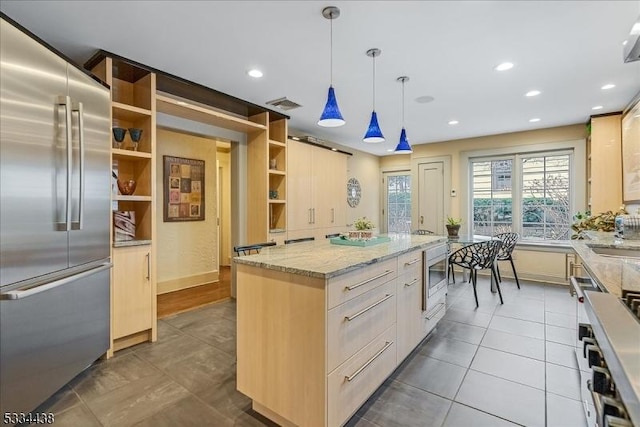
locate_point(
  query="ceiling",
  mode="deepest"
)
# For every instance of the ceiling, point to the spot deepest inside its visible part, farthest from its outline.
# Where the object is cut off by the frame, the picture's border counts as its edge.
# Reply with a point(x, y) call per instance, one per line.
point(566, 49)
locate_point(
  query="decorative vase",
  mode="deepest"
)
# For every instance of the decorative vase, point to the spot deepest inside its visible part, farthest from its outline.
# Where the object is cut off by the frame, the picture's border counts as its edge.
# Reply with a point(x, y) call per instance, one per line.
point(127, 187)
point(118, 135)
point(452, 230)
point(135, 134)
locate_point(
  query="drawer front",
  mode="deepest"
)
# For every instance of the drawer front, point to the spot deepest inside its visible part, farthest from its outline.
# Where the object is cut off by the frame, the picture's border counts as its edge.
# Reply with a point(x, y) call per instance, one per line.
point(348, 286)
point(410, 262)
point(433, 316)
point(354, 324)
point(434, 299)
point(354, 381)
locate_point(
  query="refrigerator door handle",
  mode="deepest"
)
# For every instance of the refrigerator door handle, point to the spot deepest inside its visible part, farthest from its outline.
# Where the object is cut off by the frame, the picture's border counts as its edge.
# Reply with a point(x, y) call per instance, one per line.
point(65, 101)
point(79, 110)
point(19, 294)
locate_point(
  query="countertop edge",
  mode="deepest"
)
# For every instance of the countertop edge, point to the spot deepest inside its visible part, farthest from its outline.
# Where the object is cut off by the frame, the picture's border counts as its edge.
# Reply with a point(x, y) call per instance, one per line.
point(246, 260)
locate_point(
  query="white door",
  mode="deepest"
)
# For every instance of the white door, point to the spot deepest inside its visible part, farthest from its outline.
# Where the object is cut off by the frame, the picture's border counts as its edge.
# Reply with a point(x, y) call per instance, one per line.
point(431, 194)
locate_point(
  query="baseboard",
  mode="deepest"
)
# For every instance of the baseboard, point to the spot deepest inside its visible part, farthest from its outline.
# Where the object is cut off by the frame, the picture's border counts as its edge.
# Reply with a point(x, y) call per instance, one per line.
point(187, 282)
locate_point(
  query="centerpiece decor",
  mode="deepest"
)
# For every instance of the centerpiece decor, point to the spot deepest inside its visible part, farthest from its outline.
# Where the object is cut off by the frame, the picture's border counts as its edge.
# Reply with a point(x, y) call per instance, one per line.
point(363, 235)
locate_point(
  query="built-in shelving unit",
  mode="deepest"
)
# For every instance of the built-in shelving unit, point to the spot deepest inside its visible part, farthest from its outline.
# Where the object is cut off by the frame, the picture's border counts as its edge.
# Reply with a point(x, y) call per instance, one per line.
point(133, 290)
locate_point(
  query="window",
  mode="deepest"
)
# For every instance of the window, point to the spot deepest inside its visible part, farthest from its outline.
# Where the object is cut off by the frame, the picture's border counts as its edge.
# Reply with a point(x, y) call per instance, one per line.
point(527, 193)
point(398, 195)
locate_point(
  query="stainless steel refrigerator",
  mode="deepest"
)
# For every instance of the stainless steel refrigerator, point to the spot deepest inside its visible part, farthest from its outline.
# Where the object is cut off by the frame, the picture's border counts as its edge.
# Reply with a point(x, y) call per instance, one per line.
point(54, 220)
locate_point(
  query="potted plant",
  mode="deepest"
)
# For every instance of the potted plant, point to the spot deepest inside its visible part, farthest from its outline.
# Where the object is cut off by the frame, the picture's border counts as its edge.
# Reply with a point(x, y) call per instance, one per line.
point(364, 229)
point(453, 226)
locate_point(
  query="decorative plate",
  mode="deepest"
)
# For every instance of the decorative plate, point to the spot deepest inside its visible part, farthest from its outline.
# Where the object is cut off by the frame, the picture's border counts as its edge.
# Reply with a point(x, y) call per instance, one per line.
point(354, 192)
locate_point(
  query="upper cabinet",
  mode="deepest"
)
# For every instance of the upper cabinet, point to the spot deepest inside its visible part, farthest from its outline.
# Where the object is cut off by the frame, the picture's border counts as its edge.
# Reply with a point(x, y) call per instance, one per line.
point(317, 180)
point(604, 164)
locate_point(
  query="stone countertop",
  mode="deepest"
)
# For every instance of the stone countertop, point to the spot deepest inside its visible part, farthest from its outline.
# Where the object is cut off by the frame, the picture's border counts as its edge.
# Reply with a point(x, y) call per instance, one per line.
point(324, 260)
point(611, 273)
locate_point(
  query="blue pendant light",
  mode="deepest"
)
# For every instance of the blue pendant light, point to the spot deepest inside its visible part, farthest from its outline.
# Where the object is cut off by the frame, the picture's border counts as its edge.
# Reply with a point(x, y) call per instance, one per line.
point(374, 134)
point(331, 116)
point(403, 145)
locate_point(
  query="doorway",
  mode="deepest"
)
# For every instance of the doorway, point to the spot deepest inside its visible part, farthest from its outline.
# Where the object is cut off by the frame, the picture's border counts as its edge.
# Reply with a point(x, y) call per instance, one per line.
point(431, 190)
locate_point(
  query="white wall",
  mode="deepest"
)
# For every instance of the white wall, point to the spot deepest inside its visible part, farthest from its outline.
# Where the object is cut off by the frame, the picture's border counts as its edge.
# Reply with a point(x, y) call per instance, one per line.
point(186, 251)
point(366, 169)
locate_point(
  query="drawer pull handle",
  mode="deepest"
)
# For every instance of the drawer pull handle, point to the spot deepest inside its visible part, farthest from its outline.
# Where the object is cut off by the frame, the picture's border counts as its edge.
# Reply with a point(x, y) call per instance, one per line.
point(350, 288)
point(432, 314)
point(413, 282)
point(411, 262)
point(364, 310)
point(369, 362)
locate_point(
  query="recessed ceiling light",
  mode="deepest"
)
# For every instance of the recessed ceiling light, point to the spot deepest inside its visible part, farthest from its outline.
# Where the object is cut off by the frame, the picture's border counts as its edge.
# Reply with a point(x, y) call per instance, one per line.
point(453, 122)
point(334, 149)
point(296, 138)
point(390, 150)
point(504, 66)
point(597, 107)
point(535, 119)
point(424, 99)
point(255, 73)
point(532, 93)
point(624, 43)
point(608, 86)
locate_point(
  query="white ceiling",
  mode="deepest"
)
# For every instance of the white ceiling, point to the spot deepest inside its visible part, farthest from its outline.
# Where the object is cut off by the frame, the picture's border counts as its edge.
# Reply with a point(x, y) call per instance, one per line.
point(565, 49)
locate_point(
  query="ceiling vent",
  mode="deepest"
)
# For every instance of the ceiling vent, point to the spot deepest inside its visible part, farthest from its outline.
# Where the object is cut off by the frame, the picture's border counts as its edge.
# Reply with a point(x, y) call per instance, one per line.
point(284, 104)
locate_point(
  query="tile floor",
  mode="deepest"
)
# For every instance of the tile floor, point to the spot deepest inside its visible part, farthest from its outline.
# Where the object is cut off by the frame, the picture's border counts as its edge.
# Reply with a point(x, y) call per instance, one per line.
point(499, 365)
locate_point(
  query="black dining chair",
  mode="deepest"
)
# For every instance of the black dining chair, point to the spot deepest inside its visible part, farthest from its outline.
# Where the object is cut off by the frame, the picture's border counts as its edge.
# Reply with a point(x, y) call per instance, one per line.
point(505, 253)
point(249, 249)
point(478, 256)
point(302, 239)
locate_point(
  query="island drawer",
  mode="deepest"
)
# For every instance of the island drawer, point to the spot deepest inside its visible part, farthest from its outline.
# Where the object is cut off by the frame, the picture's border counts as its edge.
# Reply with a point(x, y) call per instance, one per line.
point(435, 313)
point(410, 262)
point(350, 285)
point(352, 325)
point(354, 381)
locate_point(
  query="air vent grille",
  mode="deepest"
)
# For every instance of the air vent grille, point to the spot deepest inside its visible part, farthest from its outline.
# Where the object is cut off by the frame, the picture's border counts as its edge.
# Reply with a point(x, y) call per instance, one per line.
point(284, 104)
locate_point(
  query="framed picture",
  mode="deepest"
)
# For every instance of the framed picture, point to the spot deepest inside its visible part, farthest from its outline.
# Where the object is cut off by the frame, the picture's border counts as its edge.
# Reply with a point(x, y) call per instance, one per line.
point(631, 155)
point(183, 189)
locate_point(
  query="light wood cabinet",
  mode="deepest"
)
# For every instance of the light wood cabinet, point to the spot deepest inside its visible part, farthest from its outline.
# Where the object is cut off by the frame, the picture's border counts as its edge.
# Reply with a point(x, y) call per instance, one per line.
point(133, 286)
point(317, 203)
point(133, 294)
point(604, 164)
point(410, 285)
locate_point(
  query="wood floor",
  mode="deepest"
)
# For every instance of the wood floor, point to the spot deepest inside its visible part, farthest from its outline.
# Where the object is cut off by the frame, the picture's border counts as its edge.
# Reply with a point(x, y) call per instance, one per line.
point(188, 299)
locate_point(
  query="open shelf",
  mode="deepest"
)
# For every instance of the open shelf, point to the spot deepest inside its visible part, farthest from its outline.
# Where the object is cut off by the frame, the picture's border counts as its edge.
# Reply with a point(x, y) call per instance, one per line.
point(120, 154)
point(121, 198)
point(276, 172)
point(129, 113)
point(277, 143)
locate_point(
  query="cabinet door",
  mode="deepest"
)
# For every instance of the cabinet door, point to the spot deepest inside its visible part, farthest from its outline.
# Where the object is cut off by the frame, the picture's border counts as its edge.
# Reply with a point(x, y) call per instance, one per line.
point(299, 214)
point(409, 309)
point(132, 290)
point(321, 181)
point(339, 191)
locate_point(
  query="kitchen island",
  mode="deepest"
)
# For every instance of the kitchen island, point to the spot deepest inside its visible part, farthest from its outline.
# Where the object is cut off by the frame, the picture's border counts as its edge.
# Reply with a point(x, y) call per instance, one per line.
point(321, 326)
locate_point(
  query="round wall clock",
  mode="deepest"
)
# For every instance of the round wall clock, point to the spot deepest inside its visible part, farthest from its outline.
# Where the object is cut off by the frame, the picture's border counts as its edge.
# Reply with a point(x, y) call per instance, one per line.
point(354, 192)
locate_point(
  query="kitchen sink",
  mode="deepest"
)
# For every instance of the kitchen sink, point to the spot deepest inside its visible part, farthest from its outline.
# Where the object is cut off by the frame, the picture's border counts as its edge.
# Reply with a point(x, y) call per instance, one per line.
point(618, 253)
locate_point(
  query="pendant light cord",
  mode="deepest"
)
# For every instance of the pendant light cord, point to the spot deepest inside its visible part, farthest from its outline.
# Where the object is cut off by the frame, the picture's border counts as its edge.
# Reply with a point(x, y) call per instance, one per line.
point(403, 103)
point(374, 82)
point(331, 56)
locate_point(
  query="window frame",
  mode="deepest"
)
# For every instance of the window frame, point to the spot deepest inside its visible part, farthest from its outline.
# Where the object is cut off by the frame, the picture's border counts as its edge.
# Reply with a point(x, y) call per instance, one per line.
point(577, 176)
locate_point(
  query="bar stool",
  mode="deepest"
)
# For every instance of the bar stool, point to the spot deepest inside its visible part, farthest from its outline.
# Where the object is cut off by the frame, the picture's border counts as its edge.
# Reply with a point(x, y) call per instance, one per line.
point(478, 256)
